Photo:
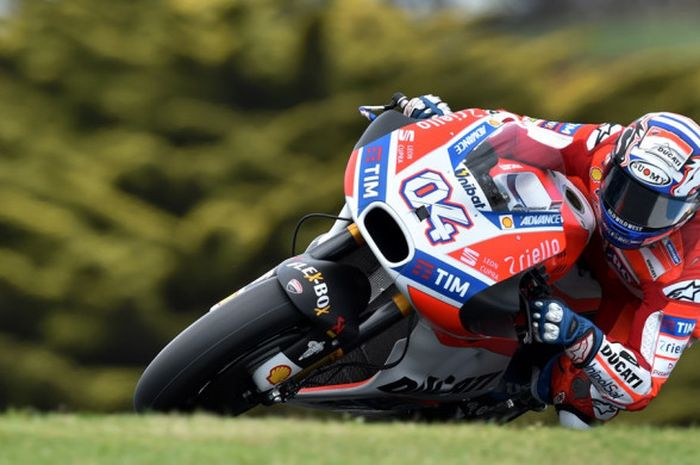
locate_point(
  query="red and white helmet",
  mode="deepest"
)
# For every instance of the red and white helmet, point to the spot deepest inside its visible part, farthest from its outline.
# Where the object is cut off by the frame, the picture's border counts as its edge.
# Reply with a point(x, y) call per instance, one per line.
point(651, 188)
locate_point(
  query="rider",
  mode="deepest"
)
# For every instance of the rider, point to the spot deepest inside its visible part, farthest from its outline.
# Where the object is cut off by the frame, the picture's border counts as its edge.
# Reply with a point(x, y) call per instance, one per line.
point(643, 183)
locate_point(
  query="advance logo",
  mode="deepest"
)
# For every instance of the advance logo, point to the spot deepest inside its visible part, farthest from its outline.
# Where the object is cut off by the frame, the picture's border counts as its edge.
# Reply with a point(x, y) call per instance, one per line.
point(535, 221)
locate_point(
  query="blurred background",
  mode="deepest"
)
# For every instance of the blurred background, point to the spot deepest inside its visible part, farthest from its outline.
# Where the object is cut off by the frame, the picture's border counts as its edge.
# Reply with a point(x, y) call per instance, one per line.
point(155, 155)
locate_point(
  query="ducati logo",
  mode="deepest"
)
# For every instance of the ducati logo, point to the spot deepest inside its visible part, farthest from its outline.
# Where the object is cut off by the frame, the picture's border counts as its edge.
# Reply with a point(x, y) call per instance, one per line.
point(295, 287)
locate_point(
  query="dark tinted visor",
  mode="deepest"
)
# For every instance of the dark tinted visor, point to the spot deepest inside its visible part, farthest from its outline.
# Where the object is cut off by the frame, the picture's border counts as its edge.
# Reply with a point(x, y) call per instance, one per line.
point(632, 204)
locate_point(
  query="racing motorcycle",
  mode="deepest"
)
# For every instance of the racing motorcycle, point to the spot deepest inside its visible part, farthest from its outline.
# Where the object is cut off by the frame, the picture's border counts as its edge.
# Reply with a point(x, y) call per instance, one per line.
point(414, 303)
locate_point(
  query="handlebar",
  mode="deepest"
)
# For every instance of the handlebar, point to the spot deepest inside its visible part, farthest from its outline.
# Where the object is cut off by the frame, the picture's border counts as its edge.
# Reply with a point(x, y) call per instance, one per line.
point(398, 103)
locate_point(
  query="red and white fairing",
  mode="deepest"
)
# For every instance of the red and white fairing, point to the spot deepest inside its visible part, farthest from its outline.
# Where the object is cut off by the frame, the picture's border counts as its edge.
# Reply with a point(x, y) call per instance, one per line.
point(461, 247)
point(456, 247)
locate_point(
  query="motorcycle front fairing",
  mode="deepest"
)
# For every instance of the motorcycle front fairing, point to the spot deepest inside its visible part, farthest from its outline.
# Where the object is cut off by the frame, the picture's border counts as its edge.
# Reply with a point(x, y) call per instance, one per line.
point(416, 197)
point(452, 224)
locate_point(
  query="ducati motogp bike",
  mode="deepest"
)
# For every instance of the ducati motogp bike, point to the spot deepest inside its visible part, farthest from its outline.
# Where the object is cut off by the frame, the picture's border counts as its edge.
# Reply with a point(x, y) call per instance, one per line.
point(414, 303)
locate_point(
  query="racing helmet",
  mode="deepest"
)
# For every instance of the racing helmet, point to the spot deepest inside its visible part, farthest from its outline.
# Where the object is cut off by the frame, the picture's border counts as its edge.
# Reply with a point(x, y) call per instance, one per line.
point(651, 184)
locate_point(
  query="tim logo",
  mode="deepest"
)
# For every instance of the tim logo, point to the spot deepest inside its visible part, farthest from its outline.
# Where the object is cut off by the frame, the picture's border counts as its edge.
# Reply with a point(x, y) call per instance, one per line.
point(678, 327)
point(423, 269)
point(429, 189)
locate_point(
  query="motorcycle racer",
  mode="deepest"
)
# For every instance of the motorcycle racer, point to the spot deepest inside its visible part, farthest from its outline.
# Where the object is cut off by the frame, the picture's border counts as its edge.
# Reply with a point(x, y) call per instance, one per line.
point(643, 183)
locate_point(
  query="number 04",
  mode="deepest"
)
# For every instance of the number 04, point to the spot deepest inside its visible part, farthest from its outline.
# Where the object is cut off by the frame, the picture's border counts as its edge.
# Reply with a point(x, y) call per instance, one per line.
point(430, 189)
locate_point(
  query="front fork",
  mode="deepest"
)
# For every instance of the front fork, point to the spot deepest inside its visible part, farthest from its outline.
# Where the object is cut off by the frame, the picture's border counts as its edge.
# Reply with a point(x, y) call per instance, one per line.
point(321, 353)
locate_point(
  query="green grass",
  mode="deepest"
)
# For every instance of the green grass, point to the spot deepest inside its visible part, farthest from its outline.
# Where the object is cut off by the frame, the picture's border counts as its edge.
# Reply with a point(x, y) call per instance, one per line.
point(27, 439)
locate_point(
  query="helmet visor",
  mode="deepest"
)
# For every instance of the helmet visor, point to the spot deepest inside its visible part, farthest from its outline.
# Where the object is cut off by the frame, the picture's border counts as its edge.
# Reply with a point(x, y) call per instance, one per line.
point(638, 208)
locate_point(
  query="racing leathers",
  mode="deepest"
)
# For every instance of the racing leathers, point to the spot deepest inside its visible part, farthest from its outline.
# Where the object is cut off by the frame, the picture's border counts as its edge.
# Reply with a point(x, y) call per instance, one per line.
point(650, 296)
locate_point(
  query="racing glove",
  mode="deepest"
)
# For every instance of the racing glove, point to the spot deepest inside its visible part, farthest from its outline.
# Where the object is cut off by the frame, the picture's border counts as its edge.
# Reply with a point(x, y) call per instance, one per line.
point(426, 106)
point(555, 323)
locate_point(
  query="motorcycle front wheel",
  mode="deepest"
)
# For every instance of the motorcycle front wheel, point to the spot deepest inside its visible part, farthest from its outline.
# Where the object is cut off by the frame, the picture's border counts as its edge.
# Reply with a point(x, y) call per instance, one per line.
point(207, 366)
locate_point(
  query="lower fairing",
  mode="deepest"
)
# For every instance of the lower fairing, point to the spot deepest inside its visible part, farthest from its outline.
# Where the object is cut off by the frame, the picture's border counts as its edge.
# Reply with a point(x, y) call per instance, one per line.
point(428, 373)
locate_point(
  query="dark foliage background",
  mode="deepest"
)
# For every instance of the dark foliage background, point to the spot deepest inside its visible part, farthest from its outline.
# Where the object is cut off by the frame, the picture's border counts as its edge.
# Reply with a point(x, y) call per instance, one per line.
point(154, 155)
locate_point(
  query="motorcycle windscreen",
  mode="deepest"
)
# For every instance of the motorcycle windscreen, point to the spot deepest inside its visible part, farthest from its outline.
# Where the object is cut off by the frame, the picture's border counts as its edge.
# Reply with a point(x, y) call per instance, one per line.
point(494, 163)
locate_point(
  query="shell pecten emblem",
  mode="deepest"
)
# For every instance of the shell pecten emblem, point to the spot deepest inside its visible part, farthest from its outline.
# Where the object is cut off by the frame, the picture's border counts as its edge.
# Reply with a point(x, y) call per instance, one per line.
point(596, 174)
point(507, 222)
point(279, 374)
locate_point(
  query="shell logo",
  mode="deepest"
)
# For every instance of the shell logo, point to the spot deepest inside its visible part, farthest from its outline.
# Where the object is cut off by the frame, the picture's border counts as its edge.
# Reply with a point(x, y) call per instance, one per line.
point(279, 374)
point(596, 174)
point(507, 222)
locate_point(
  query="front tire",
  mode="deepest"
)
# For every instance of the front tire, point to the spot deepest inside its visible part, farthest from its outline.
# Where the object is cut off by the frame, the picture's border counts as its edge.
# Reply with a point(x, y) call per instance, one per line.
point(206, 366)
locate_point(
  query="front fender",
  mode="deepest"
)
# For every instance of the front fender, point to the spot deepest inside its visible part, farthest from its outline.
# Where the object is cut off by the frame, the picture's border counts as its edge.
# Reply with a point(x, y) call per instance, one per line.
point(331, 295)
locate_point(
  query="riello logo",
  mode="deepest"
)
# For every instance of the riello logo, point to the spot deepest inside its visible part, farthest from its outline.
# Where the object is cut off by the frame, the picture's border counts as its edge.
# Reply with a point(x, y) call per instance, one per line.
point(650, 174)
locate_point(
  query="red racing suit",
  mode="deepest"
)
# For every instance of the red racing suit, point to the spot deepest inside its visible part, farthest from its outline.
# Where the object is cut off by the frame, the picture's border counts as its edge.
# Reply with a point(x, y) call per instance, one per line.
point(650, 297)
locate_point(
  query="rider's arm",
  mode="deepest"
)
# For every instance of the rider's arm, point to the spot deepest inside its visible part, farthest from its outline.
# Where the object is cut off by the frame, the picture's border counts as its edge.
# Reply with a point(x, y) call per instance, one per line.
point(561, 146)
point(638, 353)
point(547, 143)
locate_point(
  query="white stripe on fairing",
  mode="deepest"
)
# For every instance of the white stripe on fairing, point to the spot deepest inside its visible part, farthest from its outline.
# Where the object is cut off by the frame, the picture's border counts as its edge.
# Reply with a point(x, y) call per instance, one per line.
point(681, 127)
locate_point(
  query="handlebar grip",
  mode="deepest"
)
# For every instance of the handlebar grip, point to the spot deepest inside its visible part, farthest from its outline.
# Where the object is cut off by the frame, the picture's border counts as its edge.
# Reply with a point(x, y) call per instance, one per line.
point(399, 100)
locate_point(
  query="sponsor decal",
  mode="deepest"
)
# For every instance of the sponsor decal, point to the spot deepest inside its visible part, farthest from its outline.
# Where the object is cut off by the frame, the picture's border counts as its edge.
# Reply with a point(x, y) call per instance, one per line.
point(604, 410)
point(602, 382)
point(466, 143)
point(622, 222)
point(471, 187)
point(526, 220)
point(580, 351)
point(435, 385)
point(510, 166)
point(407, 135)
point(620, 265)
point(430, 190)
point(441, 277)
point(469, 256)
point(569, 129)
point(278, 374)
point(601, 133)
point(295, 287)
point(548, 124)
point(621, 362)
point(676, 326)
point(338, 327)
point(484, 264)
point(685, 291)
point(649, 173)
point(670, 347)
point(596, 174)
point(689, 185)
point(405, 149)
point(544, 219)
point(507, 222)
point(313, 348)
point(503, 256)
point(667, 146)
point(373, 171)
point(530, 257)
point(672, 252)
point(559, 398)
point(662, 368)
point(320, 288)
point(422, 269)
point(654, 265)
point(451, 283)
point(439, 121)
